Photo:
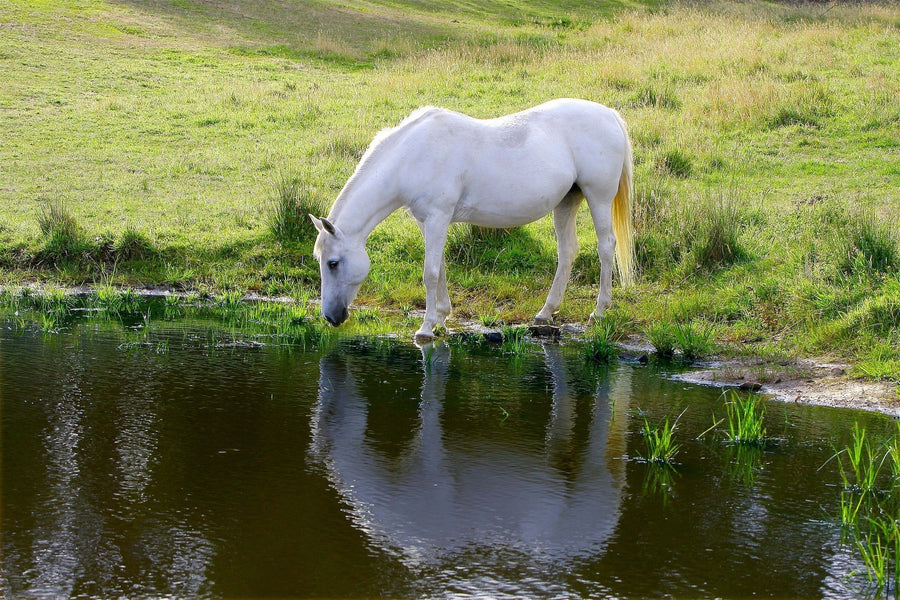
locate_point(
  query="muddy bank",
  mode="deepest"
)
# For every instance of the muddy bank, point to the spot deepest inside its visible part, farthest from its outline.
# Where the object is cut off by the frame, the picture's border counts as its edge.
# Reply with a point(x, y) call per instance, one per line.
point(805, 381)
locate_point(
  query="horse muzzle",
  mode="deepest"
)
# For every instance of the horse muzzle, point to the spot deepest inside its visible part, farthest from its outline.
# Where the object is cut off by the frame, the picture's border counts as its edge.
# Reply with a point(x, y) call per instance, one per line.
point(336, 317)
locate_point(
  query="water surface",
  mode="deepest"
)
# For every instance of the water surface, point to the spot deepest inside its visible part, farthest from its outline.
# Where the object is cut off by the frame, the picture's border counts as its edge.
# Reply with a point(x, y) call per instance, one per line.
point(183, 467)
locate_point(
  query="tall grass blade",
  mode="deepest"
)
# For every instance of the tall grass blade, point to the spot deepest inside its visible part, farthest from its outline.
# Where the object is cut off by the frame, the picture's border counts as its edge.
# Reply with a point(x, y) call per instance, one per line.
point(745, 420)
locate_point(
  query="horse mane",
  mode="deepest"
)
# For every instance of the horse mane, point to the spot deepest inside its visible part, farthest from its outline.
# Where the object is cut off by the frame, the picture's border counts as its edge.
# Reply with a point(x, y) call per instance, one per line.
point(376, 146)
point(379, 144)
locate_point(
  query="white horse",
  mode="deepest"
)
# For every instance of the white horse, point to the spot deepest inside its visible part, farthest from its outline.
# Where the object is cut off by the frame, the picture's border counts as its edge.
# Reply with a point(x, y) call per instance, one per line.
point(444, 167)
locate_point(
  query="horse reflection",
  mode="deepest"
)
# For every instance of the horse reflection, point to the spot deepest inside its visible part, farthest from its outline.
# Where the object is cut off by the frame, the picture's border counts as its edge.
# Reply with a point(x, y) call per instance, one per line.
point(451, 492)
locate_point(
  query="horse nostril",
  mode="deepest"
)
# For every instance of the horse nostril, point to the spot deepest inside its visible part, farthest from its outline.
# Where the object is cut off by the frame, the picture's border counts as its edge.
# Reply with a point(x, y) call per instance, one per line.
point(331, 321)
point(344, 315)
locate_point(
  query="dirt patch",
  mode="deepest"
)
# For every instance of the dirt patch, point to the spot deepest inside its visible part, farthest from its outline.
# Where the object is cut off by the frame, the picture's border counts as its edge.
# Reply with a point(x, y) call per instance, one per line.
point(805, 381)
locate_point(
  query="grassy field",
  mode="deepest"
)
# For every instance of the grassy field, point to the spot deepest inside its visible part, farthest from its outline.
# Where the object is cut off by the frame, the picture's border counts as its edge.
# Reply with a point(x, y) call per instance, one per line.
point(161, 142)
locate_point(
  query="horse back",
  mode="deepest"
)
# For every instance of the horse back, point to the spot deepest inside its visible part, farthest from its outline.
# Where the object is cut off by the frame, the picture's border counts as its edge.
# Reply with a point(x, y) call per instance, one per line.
point(509, 170)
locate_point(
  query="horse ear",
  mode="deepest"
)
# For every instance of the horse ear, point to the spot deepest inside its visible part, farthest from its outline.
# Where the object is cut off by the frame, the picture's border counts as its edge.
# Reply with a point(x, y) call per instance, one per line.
point(328, 226)
point(323, 225)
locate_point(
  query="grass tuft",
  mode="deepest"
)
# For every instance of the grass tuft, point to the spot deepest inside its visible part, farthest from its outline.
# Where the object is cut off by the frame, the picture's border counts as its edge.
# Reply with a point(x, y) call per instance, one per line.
point(603, 338)
point(56, 219)
point(694, 340)
point(660, 446)
point(294, 200)
point(514, 338)
point(745, 420)
point(65, 239)
point(870, 247)
point(675, 163)
point(650, 96)
point(661, 335)
point(134, 245)
point(715, 239)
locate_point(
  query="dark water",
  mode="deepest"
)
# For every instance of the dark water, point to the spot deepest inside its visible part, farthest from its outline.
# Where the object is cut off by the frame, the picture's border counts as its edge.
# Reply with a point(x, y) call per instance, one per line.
point(181, 468)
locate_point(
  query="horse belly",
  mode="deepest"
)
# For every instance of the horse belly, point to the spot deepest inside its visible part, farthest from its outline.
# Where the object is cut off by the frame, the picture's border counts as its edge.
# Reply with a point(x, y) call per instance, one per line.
point(511, 196)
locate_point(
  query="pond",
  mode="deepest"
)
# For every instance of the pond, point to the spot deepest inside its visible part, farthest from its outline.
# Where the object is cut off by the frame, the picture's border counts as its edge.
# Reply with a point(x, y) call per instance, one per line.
point(176, 465)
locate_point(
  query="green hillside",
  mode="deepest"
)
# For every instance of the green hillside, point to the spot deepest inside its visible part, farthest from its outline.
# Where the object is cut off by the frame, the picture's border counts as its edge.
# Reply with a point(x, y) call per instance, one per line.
point(150, 143)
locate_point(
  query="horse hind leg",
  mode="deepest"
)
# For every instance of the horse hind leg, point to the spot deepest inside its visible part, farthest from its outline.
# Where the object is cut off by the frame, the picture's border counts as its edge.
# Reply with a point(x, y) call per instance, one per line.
point(600, 202)
point(564, 219)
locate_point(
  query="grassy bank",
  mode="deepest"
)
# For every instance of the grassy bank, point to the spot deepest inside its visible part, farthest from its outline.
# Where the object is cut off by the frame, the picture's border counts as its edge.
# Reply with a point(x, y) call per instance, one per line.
point(160, 143)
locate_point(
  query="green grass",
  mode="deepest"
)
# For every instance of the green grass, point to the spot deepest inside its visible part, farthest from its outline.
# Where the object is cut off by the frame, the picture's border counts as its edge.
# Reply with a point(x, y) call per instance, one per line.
point(176, 144)
point(870, 508)
point(659, 441)
point(661, 336)
point(745, 420)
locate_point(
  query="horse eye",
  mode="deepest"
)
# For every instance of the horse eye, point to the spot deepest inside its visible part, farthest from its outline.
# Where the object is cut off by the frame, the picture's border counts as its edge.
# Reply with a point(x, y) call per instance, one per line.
point(333, 264)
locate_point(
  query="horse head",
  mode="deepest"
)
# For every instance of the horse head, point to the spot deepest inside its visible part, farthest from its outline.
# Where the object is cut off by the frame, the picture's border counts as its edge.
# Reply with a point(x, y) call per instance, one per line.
point(343, 266)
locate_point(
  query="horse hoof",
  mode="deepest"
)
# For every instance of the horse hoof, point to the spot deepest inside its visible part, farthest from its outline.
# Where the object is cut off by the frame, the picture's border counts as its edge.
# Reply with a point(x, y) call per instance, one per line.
point(422, 338)
point(541, 321)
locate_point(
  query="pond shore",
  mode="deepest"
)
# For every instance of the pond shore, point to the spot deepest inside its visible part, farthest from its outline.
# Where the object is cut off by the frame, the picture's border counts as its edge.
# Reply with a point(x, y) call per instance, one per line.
point(805, 381)
point(818, 381)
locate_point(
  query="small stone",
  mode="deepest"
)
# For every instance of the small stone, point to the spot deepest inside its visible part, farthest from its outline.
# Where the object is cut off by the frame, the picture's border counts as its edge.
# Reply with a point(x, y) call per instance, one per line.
point(493, 337)
point(837, 372)
point(750, 386)
point(544, 330)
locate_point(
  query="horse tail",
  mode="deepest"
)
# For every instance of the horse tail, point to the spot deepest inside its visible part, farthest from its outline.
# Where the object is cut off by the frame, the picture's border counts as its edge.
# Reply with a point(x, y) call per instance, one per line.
point(621, 214)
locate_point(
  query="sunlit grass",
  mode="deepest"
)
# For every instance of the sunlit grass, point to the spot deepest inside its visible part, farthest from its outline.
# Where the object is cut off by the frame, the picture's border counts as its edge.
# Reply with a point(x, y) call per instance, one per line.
point(745, 420)
point(659, 441)
point(762, 133)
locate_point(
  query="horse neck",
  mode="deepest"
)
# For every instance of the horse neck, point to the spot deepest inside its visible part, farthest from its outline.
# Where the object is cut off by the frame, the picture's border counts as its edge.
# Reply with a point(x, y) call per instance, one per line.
point(366, 200)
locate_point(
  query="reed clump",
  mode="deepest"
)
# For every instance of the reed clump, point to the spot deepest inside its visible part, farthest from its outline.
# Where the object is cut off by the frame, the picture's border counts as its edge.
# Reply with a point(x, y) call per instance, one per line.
point(603, 338)
point(745, 420)
point(660, 446)
point(870, 506)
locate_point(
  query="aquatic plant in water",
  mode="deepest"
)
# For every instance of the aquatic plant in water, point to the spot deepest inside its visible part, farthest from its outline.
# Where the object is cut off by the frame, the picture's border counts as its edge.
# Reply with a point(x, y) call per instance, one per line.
point(863, 462)
point(745, 418)
point(870, 510)
point(660, 441)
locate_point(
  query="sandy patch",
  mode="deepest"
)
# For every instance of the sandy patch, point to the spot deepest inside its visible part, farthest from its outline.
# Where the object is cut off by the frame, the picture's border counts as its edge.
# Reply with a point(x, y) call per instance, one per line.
point(805, 381)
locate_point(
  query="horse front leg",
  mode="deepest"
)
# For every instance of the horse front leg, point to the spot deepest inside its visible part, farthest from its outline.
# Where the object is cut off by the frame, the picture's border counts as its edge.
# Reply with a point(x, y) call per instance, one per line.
point(442, 298)
point(564, 219)
point(435, 240)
